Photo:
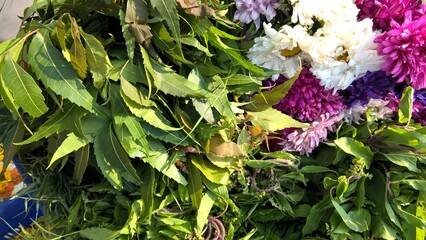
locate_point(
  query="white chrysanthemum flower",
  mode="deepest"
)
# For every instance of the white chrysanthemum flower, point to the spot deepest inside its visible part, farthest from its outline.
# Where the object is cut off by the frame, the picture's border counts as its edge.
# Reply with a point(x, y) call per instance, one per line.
point(379, 109)
point(344, 53)
point(305, 11)
point(277, 51)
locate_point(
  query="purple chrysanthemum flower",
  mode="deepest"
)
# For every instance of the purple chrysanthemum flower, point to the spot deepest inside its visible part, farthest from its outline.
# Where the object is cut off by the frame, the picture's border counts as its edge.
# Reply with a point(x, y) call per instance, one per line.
point(420, 96)
point(384, 11)
point(404, 50)
point(250, 10)
point(372, 85)
point(419, 113)
point(307, 100)
point(305, 140)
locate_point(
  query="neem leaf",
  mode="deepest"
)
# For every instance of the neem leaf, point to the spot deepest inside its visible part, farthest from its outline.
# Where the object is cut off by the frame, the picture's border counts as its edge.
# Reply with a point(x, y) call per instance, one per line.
point(210, 171)
point(168, 11)
point(159, 159)
point(71, 144)
point(113, 160)
point(267, 99)
point(26, 92)
point(195, 186)
point(356, 149)
point(55, 72)
point(273, 120)
point(203, 211)
point(96, 233)
point(57, 123)
point(97, 58)
point(406, 105)
point(81, 161)
point(168, 81)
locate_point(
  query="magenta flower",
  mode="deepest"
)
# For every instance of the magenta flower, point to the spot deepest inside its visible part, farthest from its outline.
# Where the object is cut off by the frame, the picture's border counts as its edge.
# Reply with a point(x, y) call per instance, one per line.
point(305, 140)
point(384, 11)
point(404, 50)
point(250, 10)
point(419, 113)
point(307, 100)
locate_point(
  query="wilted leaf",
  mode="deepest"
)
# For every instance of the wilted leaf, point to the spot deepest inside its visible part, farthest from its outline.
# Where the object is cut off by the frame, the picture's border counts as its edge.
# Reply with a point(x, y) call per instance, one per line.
point(220, 147)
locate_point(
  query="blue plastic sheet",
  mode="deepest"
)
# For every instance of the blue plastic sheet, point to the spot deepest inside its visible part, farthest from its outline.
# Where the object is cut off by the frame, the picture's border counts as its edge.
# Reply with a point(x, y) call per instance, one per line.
point(19, 211)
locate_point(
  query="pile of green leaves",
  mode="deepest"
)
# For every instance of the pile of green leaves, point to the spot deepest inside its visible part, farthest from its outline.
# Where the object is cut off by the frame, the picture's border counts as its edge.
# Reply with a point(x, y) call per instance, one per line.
point(137, 119)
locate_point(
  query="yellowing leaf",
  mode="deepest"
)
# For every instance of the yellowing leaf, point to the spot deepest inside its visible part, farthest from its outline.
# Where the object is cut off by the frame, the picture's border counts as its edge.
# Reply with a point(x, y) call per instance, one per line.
point(98, 60)
point(273, 120)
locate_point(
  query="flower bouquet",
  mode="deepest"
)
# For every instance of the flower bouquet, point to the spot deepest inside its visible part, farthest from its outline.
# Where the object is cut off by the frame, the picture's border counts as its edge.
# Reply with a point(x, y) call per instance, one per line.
point(245, 119)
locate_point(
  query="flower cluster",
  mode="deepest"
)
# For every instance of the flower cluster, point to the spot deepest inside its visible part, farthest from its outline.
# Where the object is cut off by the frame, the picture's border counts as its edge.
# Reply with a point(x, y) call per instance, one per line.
point(355, 55)
point(10, 180)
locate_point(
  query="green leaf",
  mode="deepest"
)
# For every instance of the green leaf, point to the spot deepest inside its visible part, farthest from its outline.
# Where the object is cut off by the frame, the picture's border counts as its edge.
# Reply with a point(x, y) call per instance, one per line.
point(357, 220)
point(203, 211)
point(315, 169)
point(55, 72)
point(168, 11)
point(169, 81)
point(57, 123)
point(174, 137)
point(158, 159)
point(151, 115)
point(273, 120)
point(98, 60)
point(210, 171)
point(233, 54)
point(404, 159)
point(406, 105)
point(81, 161)
point(113, 160)
point(96, 233)
point(138, 96)
point(74, 213)
point(195, 186)
point(131, 225)
point(71, 144)
point(356, 149)
point(411, 218)
point(25, 90)
point(267, 99)
point(383, 229)
point(147, 190)
point(316, 213)
point(193, 42)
